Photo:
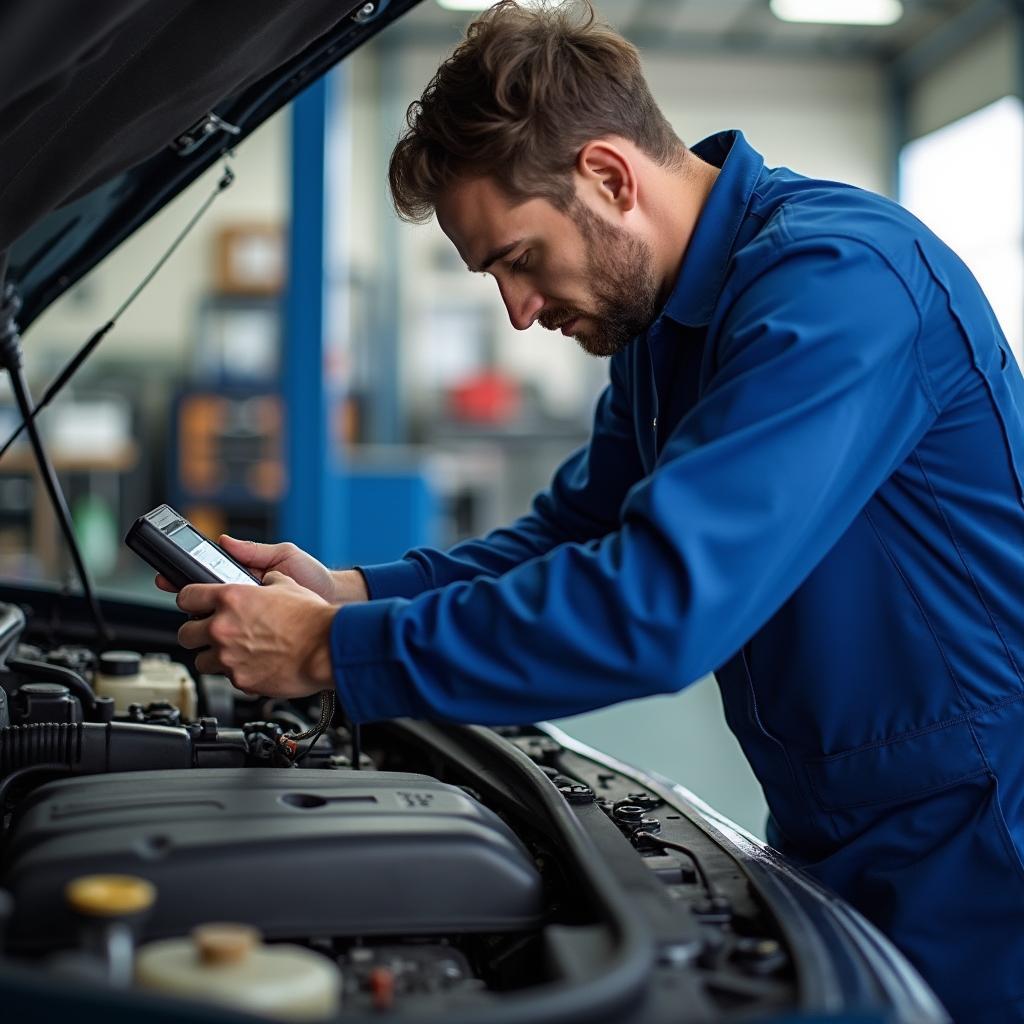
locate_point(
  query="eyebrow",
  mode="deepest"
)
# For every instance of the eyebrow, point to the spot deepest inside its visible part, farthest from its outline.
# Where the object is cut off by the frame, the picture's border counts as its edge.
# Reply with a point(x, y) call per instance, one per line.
point(497, 254)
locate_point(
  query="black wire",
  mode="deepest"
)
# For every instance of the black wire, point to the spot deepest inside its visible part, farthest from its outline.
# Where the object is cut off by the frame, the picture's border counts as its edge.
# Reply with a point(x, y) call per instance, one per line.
point(697, 866)
point(302, 757)
point(328, 705)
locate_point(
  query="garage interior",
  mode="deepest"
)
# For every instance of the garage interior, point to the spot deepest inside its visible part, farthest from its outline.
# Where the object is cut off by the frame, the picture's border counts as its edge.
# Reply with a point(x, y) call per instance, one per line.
point(435, 420)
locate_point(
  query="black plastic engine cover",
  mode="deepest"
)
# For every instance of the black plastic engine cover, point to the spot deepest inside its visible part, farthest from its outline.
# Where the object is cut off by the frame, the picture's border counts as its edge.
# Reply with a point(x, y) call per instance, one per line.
point(295, 852)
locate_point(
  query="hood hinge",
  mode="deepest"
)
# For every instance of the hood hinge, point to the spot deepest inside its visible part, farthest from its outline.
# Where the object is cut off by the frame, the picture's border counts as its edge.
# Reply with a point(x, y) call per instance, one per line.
point(209, 124)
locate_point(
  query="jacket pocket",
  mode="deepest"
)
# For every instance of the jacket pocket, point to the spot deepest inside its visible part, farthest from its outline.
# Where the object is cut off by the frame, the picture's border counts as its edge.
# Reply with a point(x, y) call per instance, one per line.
point(903, 768)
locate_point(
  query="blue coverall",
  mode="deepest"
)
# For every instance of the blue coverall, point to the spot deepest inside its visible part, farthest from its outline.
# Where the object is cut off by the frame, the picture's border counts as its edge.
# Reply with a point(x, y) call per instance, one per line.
point(805, 476)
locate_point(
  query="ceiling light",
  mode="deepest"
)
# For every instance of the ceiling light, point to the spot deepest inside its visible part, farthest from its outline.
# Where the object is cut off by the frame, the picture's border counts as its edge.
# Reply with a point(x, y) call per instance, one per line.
point(465, 5)
point(838, 12)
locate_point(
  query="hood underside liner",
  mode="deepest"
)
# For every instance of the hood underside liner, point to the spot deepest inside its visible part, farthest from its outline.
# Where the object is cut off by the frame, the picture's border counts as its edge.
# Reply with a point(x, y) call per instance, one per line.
point(92, 110)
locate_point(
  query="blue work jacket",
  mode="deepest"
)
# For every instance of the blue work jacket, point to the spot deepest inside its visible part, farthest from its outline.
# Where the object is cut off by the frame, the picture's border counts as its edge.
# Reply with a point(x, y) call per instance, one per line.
point(805, 476)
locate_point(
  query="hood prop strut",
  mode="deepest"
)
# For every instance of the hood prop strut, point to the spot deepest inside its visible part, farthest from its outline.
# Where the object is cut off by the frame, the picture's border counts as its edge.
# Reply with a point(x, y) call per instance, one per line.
point(10, 360)
point(71, 367)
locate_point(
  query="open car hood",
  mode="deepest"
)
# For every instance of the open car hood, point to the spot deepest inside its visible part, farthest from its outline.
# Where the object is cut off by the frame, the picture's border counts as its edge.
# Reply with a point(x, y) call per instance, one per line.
point(109, 109)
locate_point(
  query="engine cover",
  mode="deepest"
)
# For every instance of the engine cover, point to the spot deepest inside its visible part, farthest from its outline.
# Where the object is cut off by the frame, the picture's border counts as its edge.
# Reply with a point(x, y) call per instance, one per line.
point(295, 852)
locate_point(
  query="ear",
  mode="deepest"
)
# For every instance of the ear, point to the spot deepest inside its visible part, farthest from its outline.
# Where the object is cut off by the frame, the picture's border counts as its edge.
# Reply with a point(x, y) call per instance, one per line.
point(608, 174)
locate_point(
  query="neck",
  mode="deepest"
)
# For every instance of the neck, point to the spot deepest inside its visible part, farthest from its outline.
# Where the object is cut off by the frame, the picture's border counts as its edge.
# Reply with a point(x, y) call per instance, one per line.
point(685, 192)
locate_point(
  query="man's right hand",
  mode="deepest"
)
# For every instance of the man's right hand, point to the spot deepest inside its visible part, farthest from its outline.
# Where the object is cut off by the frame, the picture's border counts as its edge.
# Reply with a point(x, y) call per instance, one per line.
point(340, 587)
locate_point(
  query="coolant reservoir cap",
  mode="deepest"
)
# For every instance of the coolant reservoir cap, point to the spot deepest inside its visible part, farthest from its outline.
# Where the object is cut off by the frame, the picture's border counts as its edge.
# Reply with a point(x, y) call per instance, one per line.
point(109, 895)
point(120, 663)
point(224, 943)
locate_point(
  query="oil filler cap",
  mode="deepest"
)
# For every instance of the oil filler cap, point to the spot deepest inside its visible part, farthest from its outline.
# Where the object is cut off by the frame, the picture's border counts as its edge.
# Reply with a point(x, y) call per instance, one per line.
point(110, 895)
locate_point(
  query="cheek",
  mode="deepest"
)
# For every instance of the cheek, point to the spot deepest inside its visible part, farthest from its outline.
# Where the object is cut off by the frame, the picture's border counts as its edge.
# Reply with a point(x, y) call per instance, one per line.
point(567, 284)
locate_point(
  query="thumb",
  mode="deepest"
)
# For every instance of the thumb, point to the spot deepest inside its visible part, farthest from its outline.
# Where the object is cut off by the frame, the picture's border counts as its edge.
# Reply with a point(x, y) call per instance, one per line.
point(275, 578)
point(249, 553)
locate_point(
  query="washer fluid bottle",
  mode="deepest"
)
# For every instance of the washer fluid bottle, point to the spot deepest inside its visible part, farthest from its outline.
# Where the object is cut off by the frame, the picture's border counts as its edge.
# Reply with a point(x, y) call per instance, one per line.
point(130, 678)
point(229, 965)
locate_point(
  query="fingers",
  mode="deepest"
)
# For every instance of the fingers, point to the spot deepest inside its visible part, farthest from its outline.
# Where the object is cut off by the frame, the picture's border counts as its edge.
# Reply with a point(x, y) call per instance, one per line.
point(166, 585)
point(208, 662)
point(194, 634)
point(200, 598)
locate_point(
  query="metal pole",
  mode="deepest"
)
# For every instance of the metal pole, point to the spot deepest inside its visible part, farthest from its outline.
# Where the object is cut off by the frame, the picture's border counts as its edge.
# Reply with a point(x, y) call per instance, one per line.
point(314, 508)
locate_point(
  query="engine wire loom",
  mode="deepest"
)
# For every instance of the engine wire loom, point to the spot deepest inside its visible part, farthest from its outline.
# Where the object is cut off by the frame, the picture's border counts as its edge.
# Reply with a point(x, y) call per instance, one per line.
point(289, 741)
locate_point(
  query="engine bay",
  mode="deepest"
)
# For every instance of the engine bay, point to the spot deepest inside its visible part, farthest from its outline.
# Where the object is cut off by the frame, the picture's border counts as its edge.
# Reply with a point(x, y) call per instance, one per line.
point(160, 849)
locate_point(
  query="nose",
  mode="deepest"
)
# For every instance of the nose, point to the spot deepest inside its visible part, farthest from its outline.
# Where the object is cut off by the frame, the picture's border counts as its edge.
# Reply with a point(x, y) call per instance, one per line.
point(522, 303)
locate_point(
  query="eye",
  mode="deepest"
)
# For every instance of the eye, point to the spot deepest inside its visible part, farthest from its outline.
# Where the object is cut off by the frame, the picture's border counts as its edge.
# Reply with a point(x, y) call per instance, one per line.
point(522, 263)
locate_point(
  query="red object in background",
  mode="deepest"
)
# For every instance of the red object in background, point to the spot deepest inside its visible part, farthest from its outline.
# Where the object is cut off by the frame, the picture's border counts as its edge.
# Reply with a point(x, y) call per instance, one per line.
point(488, 397)
point(382, 988)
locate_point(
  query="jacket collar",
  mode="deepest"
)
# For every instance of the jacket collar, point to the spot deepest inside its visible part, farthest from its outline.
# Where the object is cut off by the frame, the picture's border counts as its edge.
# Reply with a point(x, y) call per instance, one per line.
point(702, 275)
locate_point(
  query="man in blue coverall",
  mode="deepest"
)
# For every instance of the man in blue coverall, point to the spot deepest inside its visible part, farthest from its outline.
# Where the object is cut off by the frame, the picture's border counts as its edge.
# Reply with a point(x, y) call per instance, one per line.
point(805, 474)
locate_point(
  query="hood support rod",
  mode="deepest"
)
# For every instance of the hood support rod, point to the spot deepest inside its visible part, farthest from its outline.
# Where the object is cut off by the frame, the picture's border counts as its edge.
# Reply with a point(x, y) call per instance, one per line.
point(10, 360)
point(71, 367)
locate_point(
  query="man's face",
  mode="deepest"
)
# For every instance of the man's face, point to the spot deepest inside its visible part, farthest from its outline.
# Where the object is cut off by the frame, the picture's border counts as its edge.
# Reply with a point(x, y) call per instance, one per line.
point(573, 272)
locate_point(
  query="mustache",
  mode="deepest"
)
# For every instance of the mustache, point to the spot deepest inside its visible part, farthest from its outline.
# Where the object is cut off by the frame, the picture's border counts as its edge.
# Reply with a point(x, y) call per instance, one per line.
point(553, 319)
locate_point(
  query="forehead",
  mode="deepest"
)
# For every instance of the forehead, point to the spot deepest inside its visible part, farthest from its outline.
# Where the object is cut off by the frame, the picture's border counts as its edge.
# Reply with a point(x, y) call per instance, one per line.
point(479, 218)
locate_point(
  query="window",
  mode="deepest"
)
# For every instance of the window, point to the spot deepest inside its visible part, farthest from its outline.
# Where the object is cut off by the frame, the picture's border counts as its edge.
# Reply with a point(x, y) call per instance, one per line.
point(966, 182)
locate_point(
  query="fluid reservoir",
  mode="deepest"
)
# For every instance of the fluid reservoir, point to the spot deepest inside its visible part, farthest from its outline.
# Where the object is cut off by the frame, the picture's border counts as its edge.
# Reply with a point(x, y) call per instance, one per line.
point(130, 678)
point(228, 964)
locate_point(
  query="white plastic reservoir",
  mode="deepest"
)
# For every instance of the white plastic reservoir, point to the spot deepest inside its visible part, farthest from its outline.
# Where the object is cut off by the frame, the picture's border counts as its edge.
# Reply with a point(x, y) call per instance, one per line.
point(130, 678)
point(228, 964)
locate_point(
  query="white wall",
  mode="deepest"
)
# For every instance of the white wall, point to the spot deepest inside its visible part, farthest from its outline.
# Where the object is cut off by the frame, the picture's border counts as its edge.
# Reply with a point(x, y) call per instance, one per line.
point(826, 119)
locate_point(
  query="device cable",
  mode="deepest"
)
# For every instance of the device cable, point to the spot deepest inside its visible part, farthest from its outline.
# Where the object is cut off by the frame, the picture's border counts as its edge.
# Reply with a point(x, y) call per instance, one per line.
point(290, 740)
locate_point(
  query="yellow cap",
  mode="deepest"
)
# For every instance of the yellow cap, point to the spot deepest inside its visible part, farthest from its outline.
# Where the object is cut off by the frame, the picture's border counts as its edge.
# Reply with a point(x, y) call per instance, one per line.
point(224, 943)
point(109, 895)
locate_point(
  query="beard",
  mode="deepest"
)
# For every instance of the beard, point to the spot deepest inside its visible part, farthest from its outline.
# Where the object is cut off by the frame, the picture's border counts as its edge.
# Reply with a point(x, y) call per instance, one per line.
point(625, 293)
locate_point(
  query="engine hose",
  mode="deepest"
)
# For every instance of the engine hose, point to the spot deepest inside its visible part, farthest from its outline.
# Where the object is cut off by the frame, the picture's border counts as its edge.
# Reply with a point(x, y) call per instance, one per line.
point(88, 748)
point(22, 746)
point(45, 672)
point(16, 776)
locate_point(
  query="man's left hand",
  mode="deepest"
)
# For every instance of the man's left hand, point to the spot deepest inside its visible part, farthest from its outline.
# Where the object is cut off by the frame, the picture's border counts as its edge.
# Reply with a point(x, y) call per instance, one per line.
point(271, 640)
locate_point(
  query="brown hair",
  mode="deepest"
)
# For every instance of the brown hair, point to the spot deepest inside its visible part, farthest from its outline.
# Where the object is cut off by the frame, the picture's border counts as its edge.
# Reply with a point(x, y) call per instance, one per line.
point(521, 95)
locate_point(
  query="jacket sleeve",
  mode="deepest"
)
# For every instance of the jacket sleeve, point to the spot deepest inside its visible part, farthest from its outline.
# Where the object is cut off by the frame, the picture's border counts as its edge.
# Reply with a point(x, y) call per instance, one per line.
point(583, 502)
point(816, 399)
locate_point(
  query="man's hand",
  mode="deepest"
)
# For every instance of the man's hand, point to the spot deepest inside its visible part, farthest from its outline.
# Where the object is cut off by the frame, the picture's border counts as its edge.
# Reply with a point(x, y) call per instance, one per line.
point(271, 640)
point(337, 587)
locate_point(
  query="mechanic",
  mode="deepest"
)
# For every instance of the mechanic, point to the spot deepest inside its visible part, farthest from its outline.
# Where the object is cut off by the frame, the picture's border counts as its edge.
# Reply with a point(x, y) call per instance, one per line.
point(804, 474)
